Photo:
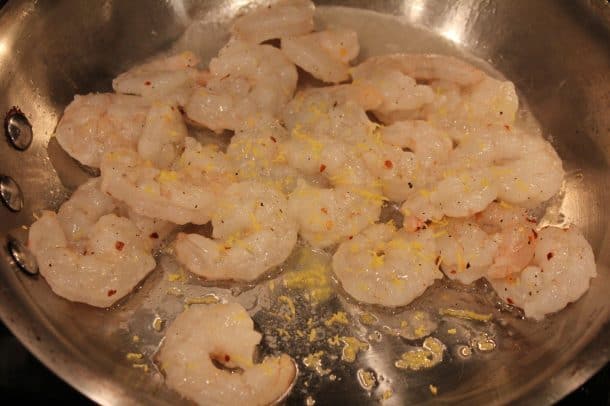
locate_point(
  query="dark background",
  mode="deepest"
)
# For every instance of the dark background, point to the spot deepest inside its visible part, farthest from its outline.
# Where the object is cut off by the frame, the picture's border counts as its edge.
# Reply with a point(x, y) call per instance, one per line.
point(25, 380)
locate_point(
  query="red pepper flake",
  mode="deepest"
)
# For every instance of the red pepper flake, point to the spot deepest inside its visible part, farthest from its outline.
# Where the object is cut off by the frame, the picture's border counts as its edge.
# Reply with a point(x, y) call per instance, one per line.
point(507, 127)
point(147, 83)
point(111, 292)
point(322, 168)
point(509, 300)
point(154, 235)
point(119, 245)
point(273, 139)
point(350, 237)
point(227, 358)
point(549, 256)
point(324, 210)
point(452, 271)
point(467, 265)
point(388, 164)
point(535, 233)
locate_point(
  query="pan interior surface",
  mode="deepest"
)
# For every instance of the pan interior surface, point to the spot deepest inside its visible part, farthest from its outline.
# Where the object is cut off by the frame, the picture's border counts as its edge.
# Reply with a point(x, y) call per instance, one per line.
point(556, 53)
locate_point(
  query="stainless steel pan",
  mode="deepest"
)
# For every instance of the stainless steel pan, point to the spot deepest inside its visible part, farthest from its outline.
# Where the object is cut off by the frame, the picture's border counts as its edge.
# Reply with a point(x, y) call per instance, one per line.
point(557, 53)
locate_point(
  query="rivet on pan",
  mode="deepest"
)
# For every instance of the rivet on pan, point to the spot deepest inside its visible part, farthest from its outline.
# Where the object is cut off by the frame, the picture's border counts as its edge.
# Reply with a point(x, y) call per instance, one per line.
point(10, 193)
point(18, 129)
point(22, 256)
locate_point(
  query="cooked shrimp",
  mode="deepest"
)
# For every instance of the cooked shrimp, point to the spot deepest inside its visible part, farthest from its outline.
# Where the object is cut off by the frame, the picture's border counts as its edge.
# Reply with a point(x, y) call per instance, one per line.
point(430, 145)
point(324, 54)
point(328, 216)
point(205, 345)
point(281, 19)
point(560, 273)
point(185, 194)
point(155, 231)
point(396, 169)
point(330, 161)
point(387, 267)
point(337, 112)
point(495, 243)
point(252, 233)
point(246, 80)
point(533, 177)
point(457, 194)
point(466, 251)
point(398, 91)
point(454, 90)
point(163, 137)
point(86, 253)
point(525, 168)
point(96, 123)
point(513, 233)
point(508, 164)
point(166, 78)
point(256, 153)
point(486, 102)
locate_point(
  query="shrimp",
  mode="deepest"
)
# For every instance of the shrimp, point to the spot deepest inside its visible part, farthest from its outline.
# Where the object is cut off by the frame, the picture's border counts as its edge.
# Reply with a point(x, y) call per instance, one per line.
point(252, 233)
point(287, 18)
point(513, 232)
point(560, 273)
point(87, 253)
point(489, 101)
point(163, 137)
point(525, 168)
point(387, 267)
point(505, 164)
point(246, 80)
point(495, 243)
point(169, 78)
point(328, 161)
point(466, 251)
point(456, 194)
point(256, 153)
point(336, 112)
point(395, 169)
point(328, 216)
point(398, 91)
point(324, 54)
point(431, 145)
point(205, 345)
point(450, 91)
point(96, 123)
point(532, 178)
point(185, 193)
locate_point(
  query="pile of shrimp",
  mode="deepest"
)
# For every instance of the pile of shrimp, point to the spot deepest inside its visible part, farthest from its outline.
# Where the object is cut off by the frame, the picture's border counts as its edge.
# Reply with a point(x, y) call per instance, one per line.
point(430, 134)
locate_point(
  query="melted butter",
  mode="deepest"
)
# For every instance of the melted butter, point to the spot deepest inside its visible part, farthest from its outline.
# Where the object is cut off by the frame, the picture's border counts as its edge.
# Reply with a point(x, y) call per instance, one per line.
point(289, 310)
point(311, 275)
point(337, 318)
point(314, 362)
point(205, 299)
point(465, 314)
point(134, 356)
point(387, 394)
point(368, 319)
point(352, 346)
point(429, 355)
point(366, 379)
